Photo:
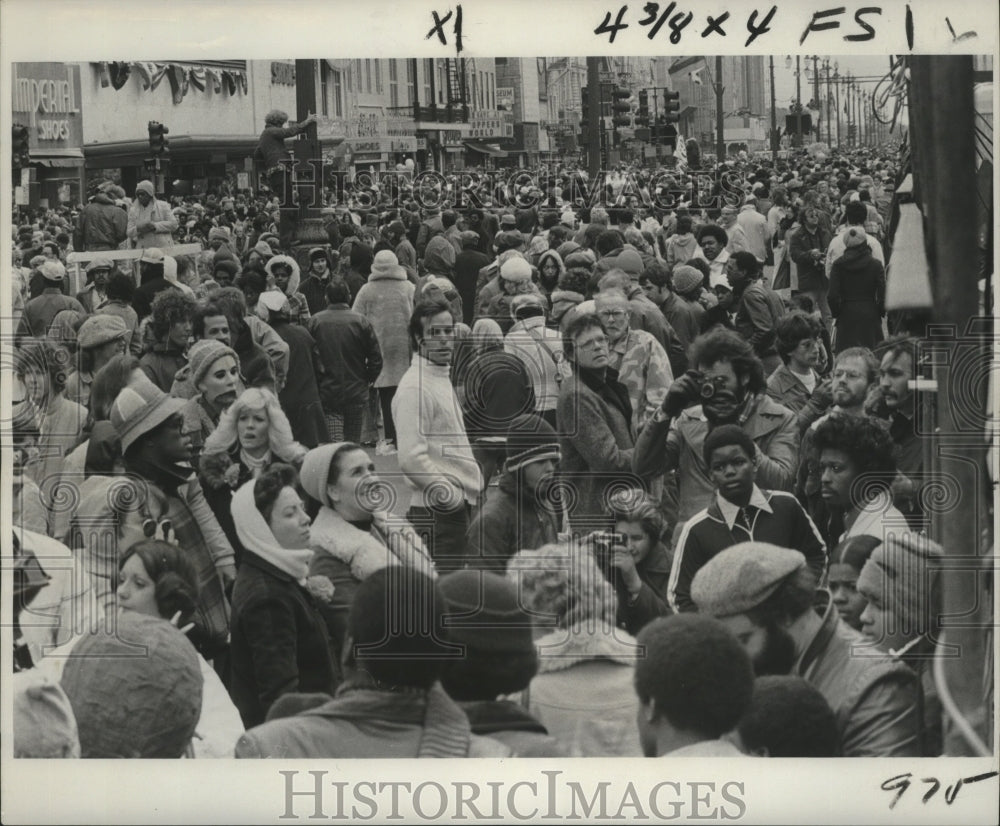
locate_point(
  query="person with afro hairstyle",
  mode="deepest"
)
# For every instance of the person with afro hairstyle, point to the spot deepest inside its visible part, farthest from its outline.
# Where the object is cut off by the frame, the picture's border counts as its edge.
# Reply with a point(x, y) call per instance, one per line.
point(674, 437)
point(694, 684)
point(788, 718)
point(857, 467)
point(713, 240)
point(120, 290)
point(171, 328)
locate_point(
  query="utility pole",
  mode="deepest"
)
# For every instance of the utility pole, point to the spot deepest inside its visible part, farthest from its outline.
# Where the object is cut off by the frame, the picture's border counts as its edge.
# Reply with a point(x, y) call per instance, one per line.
point(308, 226)
point(594, 118)
point(720, 141)
point(847, 89)
point(816, 92)
point(774, 118)
point(798, 101)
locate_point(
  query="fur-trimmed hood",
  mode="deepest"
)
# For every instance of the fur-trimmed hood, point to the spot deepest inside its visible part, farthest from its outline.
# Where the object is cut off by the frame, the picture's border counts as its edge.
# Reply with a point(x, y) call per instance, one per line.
point(363, 552)
point(293, 279)
point(564, 648)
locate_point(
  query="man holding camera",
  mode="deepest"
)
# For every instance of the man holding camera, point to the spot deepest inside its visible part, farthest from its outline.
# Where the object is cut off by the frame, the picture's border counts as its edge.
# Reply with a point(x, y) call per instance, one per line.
point(725, 386)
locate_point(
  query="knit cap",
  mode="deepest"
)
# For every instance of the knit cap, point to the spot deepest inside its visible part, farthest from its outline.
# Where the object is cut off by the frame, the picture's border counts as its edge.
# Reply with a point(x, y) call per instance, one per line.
point(686, 279)
point(902, 575)
point(484, 613)
point(136, 693)
point(203, 354)
point(631, 262)
point(516, 269)
point(530, 439)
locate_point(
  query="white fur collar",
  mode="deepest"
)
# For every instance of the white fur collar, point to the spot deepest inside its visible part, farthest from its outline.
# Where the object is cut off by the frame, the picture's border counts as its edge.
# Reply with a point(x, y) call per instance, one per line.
point(563, 648)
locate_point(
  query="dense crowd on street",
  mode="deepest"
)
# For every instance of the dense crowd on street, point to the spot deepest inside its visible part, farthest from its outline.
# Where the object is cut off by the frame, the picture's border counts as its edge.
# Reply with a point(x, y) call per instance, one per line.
point(666, 485)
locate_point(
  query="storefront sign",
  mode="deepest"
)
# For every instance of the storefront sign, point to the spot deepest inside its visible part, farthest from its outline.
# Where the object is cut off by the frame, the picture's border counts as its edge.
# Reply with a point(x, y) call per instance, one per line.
point(46, 99)
point(451, 137)
point(283, 73)
point(505, 97)
point(383, 145)
point(491, 128)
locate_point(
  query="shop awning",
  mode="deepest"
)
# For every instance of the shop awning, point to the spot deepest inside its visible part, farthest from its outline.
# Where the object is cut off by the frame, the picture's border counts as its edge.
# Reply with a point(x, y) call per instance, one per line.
point(491, 149)
point(57, 157)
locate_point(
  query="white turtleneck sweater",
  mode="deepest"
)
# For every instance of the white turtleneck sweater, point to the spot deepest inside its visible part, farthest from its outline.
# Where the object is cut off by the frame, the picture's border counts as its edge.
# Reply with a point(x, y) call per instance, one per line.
point(430, 436)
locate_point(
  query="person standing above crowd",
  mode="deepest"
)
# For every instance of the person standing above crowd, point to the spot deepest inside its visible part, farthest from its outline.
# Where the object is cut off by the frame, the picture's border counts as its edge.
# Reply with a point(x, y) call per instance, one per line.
point(151, 222)
point(102, 225)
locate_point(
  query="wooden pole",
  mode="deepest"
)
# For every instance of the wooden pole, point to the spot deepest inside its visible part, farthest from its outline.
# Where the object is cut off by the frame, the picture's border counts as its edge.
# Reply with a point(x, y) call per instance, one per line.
point(594, 118)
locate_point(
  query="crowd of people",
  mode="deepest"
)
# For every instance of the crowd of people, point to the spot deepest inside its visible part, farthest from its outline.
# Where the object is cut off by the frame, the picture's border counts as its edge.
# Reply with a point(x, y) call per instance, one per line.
point(625, 427)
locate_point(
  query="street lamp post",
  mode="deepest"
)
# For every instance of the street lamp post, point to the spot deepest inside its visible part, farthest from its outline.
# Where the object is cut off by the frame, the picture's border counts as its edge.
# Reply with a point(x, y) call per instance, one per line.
point(826, 66)
point(798, 102)
point(815, 60)
point(774, 118)
point(847, 90)
point(720, 141)
point(836, 86)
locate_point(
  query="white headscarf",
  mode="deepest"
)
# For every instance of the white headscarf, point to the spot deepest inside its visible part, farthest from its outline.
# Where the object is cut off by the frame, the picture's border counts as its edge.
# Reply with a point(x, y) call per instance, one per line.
point(256, 536)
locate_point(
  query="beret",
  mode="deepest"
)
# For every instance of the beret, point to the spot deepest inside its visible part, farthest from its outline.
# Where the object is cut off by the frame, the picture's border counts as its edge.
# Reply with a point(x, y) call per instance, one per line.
point(740, 578)
point(100, 329)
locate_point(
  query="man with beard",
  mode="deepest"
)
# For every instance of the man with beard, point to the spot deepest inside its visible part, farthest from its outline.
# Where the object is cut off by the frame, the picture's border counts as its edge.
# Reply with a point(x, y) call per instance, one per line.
point(765, 596)
point(215, 375)
point(807, 248)
point(854, 375)
point(519, 515)
point(94, 294)
point(729, 381)
point(740, 512)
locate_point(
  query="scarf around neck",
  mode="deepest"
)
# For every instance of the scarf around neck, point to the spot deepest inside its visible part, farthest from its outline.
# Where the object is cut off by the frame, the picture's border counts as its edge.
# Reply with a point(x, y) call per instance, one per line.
point(256, 536)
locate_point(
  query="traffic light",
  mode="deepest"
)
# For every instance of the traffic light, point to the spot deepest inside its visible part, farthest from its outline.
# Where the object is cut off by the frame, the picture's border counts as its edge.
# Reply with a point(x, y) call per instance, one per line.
point(672, 106)
point(642, 115)
point(620, 108)
point(158, 144)
point(20, 153)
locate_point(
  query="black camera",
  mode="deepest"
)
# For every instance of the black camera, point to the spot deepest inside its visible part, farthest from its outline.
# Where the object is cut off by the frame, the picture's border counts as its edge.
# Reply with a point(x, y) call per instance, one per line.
point(707, 390)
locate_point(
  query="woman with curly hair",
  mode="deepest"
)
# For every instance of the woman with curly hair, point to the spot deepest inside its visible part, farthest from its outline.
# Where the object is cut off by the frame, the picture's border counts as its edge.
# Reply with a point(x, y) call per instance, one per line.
point(638, 565)
point(157, 579)
point(583, 691)
point(171, 328)
point(857, 466)
point(253, 433)
point(570, 291)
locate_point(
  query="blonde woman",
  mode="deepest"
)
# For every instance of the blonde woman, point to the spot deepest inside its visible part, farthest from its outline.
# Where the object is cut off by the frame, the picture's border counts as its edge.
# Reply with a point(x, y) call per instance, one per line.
point(583, 691)
point(252, 434)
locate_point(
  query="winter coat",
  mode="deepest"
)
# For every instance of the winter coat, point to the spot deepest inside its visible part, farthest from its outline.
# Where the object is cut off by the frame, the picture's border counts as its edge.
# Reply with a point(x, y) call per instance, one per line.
point(772, 427)
point(857, 298)
point(40, 311)
point(102, 225)
point(651, 601)
point(508, 522)
point(299, 398)
point(364, 722)
point(758, 310)
point(142, 299)
point(812, 273)
point(682, 248)
point(279, 640)
point(513, 726)
point(541, 350)
point(596, 440)
point(498, 390)
point(349, 353)
point(163, 219)
point(386, 301)
point(583, 692)
point(468, 263)
point(563, 302)
point(429, 228)
point(682, 317)
point(347, 556)
point(874, 697)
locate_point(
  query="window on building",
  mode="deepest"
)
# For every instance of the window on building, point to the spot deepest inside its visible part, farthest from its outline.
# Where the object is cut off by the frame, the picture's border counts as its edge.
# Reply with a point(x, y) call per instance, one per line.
point(378, 77)
point(324, 88)
point(335, 86)
point(428, 75)
point(442, 83)
point(411, 83)
point(350, 77)
point(368, 75)
point(482, 90)
point(393, 83)
point(358, 75)
point(493, 92)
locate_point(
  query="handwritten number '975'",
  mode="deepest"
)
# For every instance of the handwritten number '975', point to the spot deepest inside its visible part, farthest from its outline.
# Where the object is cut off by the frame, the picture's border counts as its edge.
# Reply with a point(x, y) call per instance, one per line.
point(901, 782)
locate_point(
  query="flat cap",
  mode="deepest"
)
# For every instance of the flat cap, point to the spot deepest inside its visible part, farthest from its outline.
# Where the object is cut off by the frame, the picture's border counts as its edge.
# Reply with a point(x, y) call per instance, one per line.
point(100, 329)
point(742, 577)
